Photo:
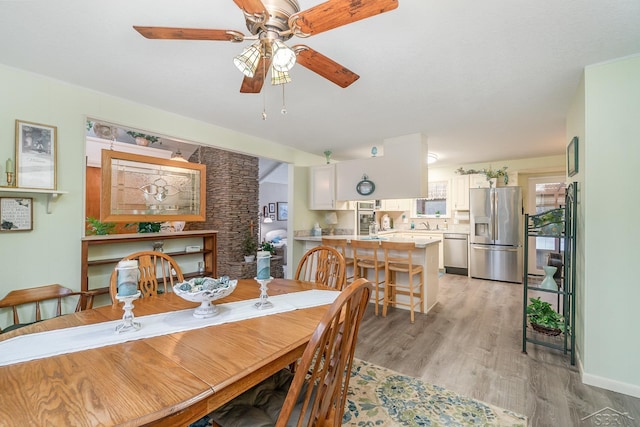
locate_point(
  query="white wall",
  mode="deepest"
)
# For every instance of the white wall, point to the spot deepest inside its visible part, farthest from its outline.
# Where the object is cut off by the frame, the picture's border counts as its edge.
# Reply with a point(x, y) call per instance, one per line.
point(51, 252)
point(610, 151)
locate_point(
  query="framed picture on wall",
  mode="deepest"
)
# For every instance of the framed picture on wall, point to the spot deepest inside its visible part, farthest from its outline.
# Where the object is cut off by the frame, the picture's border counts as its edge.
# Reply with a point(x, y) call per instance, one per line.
point(272, 208)
point(282, 211)
point(16, 213)
point(572, 157)
point(36, 148)
point(272, 217)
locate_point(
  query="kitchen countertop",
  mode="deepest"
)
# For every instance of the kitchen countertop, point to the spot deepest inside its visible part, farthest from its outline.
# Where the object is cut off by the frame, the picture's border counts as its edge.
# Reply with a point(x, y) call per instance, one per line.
point(421, 241)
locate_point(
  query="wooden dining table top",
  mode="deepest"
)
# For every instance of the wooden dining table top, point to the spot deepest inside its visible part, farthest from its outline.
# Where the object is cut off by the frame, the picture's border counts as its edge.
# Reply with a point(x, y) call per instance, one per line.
point(168, 380)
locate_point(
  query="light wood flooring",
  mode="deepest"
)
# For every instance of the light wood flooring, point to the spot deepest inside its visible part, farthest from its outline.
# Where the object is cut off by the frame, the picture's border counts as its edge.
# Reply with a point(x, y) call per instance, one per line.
point(471, 343)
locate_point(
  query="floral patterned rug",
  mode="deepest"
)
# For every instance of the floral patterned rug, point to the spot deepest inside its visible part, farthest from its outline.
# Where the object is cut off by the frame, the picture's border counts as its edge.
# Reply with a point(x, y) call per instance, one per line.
point(379, 397)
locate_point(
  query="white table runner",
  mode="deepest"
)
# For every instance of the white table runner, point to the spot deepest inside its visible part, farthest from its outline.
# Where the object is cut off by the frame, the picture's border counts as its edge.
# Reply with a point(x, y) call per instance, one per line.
point(51, 343)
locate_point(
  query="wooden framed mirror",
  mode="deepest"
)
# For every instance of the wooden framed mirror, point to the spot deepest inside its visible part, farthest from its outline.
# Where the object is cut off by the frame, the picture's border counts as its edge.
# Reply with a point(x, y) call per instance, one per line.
point(138, 188)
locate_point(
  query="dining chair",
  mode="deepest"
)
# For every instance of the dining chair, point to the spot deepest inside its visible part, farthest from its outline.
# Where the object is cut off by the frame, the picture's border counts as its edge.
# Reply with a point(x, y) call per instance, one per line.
point(340, 243)
point(158, 273)
point(324, 265)
point(366, 258)
point(17, 299)
point(398, 258)
point(318, 390)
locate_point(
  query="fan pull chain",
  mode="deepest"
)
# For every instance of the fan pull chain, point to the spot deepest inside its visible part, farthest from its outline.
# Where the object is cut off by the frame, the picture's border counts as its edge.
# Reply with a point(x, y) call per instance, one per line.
point(284, 107)
point(264, 92)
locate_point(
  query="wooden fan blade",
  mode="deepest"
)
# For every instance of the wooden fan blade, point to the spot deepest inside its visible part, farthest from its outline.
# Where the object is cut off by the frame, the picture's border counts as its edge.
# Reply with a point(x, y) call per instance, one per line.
point(188, 33)
point(335, 13)
point(254, 84)
point(327, 68)
point(252, 7)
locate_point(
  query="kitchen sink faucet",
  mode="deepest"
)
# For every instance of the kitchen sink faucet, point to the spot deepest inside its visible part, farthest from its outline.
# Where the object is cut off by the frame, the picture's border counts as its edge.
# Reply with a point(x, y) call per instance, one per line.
point(426, 225)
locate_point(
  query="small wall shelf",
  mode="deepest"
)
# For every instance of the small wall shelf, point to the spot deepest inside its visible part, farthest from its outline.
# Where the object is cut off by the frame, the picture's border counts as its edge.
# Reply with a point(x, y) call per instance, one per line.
point(52, 195)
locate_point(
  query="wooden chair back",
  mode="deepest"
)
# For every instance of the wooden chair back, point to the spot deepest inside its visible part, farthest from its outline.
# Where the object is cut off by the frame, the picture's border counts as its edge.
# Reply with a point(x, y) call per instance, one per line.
point(326, 362)
point(398, 258)
point(365, 257)
point(324, 265)
point(340, 243)
point(158, 272)
point(17, 298)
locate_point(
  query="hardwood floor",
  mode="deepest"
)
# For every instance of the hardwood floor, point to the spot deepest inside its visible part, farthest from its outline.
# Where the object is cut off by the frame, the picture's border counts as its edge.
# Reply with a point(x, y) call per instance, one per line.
point(471, 343)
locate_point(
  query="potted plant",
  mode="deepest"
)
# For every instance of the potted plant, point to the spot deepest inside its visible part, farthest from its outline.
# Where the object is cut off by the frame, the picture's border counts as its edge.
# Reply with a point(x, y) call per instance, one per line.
point(490, 174)
point(100, 228)
point(249, 247)
point(142, 138)
point(544, 318)
point(268, 246)
point(149, 227)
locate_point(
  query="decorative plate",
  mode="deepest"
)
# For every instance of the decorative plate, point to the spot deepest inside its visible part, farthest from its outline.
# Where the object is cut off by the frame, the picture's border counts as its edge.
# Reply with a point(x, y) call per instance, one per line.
point(365, 187)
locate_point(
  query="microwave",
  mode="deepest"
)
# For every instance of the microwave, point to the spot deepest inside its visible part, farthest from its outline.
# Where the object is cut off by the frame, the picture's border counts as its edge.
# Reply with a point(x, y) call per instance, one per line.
point(366, 206)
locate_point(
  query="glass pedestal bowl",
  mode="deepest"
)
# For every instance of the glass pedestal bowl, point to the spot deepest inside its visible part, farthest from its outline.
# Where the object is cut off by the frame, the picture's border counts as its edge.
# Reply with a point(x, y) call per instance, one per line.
point(204, 290)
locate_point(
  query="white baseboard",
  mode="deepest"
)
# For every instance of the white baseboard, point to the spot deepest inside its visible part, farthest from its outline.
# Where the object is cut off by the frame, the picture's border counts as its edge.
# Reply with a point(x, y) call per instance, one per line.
point(606, 383)
point(609, 384)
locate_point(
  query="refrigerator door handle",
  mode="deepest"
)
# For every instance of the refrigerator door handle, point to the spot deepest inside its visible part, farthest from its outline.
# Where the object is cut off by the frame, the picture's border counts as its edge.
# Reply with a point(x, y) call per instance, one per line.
point(495, 248)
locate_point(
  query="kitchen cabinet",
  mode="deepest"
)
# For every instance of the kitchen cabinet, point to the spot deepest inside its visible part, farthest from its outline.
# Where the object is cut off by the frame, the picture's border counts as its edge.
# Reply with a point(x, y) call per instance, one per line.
point(399, 205)
point(459, 199)
point(478, 180)
point(100, 254)
point(322, 189)
point(564, 297)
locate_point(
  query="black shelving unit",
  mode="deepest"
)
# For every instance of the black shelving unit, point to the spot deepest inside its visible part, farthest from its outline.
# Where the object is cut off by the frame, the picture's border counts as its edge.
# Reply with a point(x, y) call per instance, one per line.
point(558, 224)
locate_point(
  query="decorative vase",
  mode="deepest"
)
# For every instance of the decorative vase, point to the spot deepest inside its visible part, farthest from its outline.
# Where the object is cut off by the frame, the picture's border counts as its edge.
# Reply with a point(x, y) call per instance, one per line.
point(549, 282)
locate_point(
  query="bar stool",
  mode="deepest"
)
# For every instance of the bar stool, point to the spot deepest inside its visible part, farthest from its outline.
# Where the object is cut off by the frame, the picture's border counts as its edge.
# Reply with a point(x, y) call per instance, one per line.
point(401, 261)
point(369, 261)
point(340, 243)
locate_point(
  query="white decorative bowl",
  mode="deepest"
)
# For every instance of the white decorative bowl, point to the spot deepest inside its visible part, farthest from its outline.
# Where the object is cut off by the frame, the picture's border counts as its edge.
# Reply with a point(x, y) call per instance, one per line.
point(204, 290)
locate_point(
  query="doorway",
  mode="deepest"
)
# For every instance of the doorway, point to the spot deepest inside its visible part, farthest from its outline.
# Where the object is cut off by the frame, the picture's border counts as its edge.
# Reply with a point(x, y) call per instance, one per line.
point(544, 193)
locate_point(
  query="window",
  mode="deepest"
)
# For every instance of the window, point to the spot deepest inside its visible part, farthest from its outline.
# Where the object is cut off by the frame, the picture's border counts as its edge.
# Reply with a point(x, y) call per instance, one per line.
point(435, 204)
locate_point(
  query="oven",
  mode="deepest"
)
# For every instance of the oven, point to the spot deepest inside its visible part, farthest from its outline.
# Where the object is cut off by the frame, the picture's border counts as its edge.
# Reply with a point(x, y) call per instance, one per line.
point(365, 216)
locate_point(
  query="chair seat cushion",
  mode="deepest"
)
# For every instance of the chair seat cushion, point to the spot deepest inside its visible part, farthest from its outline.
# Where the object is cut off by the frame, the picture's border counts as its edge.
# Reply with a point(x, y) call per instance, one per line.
point(19, 325)
point(259, 406)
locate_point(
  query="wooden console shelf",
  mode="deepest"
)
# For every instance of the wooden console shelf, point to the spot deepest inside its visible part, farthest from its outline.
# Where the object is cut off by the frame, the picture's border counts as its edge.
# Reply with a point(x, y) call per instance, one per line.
point(101, 251)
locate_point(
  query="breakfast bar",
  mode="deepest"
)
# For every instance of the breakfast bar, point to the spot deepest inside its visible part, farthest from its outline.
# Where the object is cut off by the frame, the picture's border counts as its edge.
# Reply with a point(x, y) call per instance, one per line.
point(427, 256)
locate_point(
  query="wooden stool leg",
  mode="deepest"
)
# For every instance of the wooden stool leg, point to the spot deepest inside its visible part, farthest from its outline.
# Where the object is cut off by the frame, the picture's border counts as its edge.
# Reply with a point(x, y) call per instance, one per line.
point(385, 298)
point(411, 297)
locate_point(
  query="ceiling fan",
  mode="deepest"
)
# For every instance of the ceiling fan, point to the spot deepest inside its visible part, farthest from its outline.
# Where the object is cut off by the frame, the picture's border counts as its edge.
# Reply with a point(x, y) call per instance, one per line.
point(271, 23)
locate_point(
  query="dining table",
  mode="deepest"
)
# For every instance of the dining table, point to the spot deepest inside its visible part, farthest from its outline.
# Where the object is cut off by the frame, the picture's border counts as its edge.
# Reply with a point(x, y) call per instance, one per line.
point(166, 380)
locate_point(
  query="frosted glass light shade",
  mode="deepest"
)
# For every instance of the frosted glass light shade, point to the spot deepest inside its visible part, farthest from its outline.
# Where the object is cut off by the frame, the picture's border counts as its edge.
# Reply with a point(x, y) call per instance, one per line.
point(248, 60)
point(283, 57)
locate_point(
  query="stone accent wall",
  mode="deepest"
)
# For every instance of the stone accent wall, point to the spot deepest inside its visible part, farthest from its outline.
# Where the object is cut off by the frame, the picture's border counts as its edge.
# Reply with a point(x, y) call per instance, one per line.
point(232, 206)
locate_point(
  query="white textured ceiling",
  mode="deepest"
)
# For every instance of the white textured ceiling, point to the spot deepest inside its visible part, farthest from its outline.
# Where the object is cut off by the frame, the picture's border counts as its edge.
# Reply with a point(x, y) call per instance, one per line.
point(483, 80)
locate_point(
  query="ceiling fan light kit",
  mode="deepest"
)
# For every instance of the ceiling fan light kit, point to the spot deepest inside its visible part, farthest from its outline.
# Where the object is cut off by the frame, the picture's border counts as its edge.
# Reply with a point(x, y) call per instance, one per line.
point(247, 61)
point(271, 23)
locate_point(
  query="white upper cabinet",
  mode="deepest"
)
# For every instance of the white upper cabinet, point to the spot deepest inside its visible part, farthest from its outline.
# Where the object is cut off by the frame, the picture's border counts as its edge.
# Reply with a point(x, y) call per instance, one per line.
point(399, 205)
point(460, 193)
point(322, 190)
point(322, 187)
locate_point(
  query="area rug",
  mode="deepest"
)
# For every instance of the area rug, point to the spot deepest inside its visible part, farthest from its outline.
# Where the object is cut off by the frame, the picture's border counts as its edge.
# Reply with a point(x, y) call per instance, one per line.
point(380, 397)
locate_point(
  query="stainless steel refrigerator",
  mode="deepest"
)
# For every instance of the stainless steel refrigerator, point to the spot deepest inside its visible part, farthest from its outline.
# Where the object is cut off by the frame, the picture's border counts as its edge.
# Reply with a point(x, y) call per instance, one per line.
point(495, 243)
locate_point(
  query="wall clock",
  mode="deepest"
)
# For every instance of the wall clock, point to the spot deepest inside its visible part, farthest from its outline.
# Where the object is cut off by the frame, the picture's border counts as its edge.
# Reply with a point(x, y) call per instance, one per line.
point(365, 187)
